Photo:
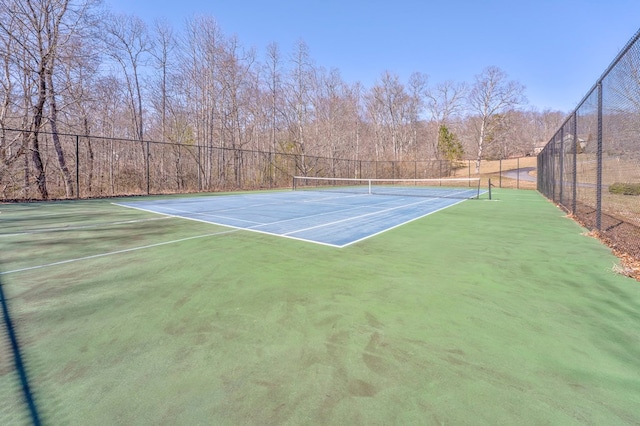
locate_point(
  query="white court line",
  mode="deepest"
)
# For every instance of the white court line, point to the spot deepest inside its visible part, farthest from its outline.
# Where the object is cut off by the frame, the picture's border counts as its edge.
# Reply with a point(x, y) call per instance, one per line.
point(251, 229)
point(316, 200)
point(306, 240)
point(62, 262)
point(245, 207)
point(178, 216)
point(400, 224)
point(256, 224)
point(75, 228)
point(213, 215)
point(361, 216)
point(332, 212)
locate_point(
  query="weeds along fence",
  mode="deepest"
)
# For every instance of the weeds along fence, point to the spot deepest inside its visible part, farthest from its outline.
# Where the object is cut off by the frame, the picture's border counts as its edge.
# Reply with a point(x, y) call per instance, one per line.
point(591, 166)
point(104, 167)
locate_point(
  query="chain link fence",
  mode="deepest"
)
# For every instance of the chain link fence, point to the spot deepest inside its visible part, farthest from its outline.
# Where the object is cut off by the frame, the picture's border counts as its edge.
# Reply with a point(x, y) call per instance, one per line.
point(106, 167)
point(591, 166)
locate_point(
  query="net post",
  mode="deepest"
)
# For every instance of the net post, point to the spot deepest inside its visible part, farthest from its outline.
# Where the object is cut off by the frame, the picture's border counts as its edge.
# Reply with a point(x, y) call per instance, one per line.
point(293, 183)
point(369, 181)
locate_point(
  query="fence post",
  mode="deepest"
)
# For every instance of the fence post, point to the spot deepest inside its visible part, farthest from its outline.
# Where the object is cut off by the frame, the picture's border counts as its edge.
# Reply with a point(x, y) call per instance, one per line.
point(574, 176)
point(198, 167)
point(77, 166)
point(148, 168)
point(561, 194)
point(599, 162)
point(271, 169)
point(540, 171)
point(552, 168)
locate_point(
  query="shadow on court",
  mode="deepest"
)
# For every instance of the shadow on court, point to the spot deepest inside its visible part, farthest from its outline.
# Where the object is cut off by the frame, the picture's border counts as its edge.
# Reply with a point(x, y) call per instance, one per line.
point(14, 352)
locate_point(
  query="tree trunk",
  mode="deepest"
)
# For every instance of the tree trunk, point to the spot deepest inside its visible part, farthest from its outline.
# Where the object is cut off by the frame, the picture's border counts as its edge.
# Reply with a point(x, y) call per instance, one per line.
point(87, 133)
point(35, 128)
point(53, 121)
point(483, 128)
point(25, 167)
point(37, 162)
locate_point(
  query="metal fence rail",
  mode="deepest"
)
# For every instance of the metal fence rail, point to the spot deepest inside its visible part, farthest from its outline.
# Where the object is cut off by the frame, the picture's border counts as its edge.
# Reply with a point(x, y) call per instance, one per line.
point(591, 166)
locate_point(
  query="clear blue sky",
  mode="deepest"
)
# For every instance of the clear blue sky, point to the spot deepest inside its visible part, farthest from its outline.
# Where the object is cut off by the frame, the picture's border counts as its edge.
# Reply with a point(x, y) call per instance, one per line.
point(556, 48)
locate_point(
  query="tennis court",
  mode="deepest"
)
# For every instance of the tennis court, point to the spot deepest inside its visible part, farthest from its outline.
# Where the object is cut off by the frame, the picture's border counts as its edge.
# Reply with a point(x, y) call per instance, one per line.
point(330, 215)
point(484, 312)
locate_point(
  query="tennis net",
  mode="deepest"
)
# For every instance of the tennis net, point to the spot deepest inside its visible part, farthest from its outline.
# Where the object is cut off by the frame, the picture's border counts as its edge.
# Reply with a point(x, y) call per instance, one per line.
point(464, 188)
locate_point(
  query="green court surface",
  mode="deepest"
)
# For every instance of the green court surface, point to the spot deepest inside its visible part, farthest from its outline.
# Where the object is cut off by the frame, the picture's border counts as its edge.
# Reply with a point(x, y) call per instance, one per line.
point(488, 312)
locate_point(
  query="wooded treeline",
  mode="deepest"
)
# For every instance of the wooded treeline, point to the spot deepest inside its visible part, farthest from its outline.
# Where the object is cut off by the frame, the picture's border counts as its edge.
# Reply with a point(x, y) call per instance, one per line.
point(72, 67)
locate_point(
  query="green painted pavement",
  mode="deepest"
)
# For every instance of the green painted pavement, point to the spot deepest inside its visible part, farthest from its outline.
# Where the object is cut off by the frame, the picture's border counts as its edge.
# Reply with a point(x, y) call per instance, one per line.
point(489, 312)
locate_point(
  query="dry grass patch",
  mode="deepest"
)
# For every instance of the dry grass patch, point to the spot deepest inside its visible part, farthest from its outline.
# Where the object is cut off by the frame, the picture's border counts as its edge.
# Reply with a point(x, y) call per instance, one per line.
point(494, 166)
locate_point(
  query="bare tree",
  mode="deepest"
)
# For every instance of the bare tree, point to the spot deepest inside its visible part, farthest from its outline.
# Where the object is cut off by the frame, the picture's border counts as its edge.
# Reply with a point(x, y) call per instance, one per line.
point(127, 42)
point(236, 114)
point(491, 96)
point(521, 131)
point(333, 114)
point(300, 112)
point(417, 87)
point(38, 29)
point(110, 116)
point(445, 102)
point(356, 113)
point(23, 23)
point(10, 148)
point(78, 76)
point(162, 52)
point(274, 85)
point(388, 106)
point(202, 51)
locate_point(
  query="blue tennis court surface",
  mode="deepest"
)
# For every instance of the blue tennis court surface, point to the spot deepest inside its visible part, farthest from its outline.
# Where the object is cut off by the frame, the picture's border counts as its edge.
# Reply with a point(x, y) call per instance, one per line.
point(331, 219)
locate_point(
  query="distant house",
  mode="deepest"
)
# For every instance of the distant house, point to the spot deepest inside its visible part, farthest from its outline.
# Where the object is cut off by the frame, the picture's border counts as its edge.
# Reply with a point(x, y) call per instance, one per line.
point(582, 144)
point(538, 147)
